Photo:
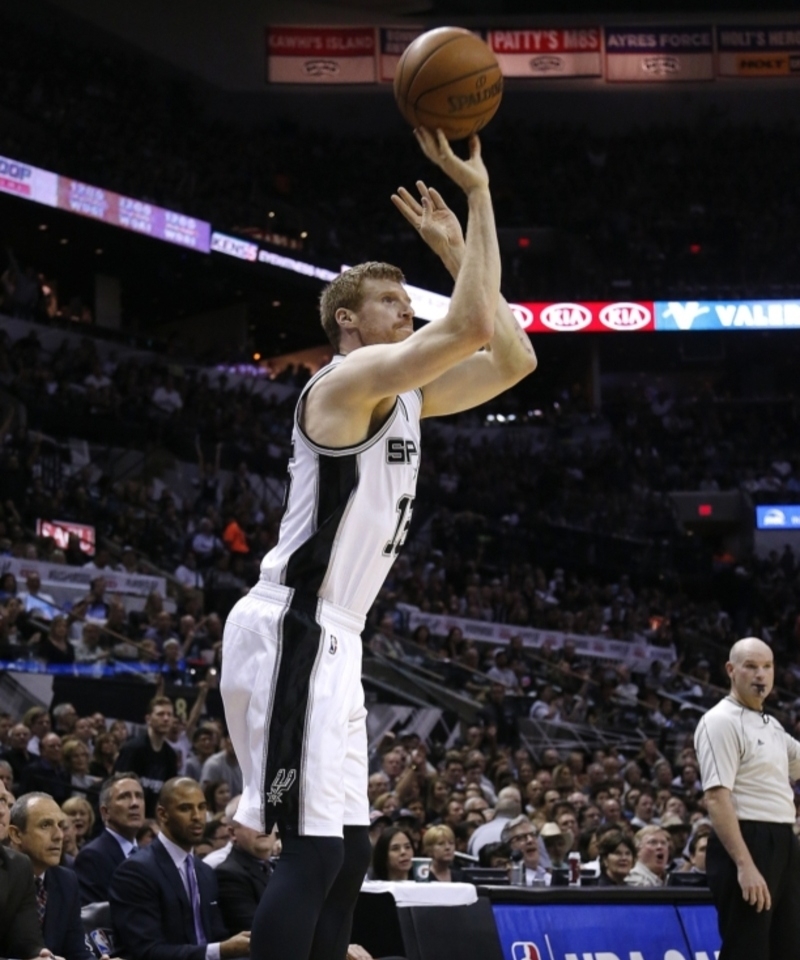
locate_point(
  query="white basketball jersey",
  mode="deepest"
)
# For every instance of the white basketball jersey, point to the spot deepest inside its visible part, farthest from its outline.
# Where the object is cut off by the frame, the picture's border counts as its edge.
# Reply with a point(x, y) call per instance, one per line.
point(347, 511)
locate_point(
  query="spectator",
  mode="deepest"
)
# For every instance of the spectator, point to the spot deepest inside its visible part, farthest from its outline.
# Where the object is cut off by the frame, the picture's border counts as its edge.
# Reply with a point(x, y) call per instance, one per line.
point(36, 829)
point(20, 930)
point(244, 874)
point(104, 755)
point(521, 835)
point(164, 900)
point(223, 766)
point(653, 851)
point(149, 755)
point(439, 843)
point(392, 855)
point(122, 812)
point(75, 757)
point(557, 844)
point(47, 774)
point(17, 756)
point(203, 740)
point(37, 720)
point(218, 795)
point(55, 648)
point(81, 814)
point(617, 854)
point(509, 805)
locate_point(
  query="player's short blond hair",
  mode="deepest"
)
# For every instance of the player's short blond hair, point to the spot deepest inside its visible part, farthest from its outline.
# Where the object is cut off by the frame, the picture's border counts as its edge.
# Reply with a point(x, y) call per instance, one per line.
point(346, 291)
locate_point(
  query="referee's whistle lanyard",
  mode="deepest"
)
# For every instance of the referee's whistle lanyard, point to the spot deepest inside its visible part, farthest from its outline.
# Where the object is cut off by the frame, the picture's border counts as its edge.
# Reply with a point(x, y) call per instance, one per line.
point(764, 716)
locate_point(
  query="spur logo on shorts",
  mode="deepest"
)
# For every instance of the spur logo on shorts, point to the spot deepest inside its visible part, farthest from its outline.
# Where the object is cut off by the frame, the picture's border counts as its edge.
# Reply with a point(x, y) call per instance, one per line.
point(334, 645)
point(281, 784)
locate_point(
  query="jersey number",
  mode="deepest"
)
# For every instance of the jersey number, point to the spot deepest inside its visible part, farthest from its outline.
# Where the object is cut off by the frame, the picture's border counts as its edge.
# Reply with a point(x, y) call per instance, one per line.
point(405, 507)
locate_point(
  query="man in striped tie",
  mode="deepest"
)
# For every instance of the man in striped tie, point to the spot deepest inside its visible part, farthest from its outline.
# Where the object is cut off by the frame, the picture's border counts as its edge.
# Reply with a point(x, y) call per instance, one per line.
point(36, 828)
point(163, 898)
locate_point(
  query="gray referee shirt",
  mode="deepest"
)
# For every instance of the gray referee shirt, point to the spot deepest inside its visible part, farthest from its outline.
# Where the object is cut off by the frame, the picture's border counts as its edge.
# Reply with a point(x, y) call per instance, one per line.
point(753, 756)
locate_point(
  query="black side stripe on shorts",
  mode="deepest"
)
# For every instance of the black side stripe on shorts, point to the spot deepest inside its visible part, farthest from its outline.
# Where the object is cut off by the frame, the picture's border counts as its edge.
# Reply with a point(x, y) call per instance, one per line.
point(283, 773)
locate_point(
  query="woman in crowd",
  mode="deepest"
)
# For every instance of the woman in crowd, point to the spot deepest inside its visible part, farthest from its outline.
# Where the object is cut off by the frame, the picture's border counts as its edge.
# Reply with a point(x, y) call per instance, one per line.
point(392, 855)
point(438, 797)
point(388, 803)
point(105, 753)
point(55, 647)
point(80, 812)
point(439, 843)
point(217, 793)
point(75, 757)
point(617, 855)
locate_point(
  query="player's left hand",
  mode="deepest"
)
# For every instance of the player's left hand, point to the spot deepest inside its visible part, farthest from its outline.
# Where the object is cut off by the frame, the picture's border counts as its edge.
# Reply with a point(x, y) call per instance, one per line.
point(437, 224)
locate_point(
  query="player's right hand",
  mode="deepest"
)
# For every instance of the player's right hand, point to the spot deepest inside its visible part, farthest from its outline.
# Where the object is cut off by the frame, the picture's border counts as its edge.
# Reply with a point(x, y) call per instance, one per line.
point(754, 888)
point(469, 174)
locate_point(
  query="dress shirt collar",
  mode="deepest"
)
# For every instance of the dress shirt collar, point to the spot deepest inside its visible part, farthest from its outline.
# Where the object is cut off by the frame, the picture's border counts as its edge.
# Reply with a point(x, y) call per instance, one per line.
point(177, 854)
point(128, 846)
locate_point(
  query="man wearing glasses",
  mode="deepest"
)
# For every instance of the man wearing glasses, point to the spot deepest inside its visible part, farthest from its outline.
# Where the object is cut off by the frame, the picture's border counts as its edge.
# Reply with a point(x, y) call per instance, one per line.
point(521, 834)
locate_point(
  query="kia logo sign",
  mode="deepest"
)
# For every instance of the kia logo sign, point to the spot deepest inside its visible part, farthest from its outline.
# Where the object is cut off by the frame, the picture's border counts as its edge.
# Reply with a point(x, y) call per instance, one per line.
point(566, 317)
point(523, 315)
point(625, 316)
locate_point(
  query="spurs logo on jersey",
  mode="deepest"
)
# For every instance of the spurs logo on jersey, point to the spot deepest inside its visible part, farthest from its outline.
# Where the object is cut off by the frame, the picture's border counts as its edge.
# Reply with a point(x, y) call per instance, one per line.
point(347, 511)
point(280, 785)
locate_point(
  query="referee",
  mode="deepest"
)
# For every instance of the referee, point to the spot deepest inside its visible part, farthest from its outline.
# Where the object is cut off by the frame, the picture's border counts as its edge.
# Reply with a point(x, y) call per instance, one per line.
point(746, 762)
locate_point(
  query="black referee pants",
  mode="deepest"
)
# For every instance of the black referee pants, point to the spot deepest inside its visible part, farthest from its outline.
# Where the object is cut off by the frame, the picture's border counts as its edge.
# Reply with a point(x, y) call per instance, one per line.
point(772, 934)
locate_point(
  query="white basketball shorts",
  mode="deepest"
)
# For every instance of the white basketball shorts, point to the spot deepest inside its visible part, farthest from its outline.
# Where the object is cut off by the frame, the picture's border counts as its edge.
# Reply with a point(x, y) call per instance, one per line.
point(294, 706)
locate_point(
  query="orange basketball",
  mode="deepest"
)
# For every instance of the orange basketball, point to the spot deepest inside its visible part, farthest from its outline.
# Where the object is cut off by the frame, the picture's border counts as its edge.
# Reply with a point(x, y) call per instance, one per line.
point(448, 78)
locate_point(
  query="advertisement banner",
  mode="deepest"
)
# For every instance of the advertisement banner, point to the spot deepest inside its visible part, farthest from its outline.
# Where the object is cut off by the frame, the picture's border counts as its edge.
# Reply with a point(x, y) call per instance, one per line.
point(778, 516)
point(603, 932)
point(728, 315)
point(548, 53)
point(393, 41)
point(758, 51)
point(620, 316)
point(321, 54)
point(659, 54)
point(60, 531)
point(28, 182)
point(136, 215)
point(59, 574)
point(639, 654)
point(234, 247)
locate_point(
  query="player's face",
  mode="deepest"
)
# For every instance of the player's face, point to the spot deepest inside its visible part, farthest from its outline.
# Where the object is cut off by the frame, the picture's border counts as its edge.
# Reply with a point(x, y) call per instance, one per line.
point(385, 314)
point(752, 677)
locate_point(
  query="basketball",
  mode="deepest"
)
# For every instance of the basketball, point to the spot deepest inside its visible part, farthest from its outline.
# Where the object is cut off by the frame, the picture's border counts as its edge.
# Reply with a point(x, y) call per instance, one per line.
point(448, 78)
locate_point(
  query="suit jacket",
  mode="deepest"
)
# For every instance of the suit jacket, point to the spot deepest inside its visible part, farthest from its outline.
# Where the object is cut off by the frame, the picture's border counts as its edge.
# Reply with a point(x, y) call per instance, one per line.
point(20, 933)
point(95, 866)
point(41, 777)
point(241, 880)
point(63, 927)
point(150, 911)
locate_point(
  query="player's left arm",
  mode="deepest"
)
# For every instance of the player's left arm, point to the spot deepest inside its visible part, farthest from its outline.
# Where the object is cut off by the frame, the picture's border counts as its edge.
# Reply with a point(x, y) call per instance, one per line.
point(507, 358)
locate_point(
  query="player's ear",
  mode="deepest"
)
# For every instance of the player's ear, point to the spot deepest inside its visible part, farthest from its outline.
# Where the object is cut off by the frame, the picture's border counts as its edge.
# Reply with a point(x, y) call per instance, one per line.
point(344, 317)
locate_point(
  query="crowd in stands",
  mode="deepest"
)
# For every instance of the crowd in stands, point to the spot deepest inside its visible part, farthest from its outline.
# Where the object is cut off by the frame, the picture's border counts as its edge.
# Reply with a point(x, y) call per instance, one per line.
point(664, 212)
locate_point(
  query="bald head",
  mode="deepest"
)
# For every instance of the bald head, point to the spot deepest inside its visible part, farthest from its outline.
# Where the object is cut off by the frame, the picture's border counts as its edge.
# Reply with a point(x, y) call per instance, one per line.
point(751, 669)
point(748, 646)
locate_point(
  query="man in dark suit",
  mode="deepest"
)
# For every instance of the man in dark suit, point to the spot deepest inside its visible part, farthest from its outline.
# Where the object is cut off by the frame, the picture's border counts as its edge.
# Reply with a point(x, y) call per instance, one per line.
point(164, 899)
point(47, 774)
point(36, 830)
point(243, 875)
point(20, 933)
point(122, 810)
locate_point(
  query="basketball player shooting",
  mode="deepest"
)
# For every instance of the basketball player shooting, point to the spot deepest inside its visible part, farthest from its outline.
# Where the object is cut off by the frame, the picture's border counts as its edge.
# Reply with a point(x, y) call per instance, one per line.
point(291, 681)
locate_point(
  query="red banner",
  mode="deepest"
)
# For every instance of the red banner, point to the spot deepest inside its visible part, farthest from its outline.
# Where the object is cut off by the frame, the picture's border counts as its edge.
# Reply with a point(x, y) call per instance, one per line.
point(321, 54)
point(622, 316)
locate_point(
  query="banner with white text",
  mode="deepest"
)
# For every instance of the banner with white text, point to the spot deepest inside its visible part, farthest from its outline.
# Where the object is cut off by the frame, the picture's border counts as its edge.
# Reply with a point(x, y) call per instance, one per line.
point(393, 42)
point(667, 54)
point(758, 51)
point(321, 54)
point(548, 53)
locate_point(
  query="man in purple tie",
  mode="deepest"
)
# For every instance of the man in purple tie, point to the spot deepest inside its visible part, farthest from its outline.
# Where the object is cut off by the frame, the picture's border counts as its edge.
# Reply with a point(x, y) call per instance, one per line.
point(163, 898)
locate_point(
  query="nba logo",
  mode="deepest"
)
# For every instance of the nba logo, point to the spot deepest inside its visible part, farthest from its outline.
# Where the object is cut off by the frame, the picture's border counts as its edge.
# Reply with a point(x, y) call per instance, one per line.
point(525, 951)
